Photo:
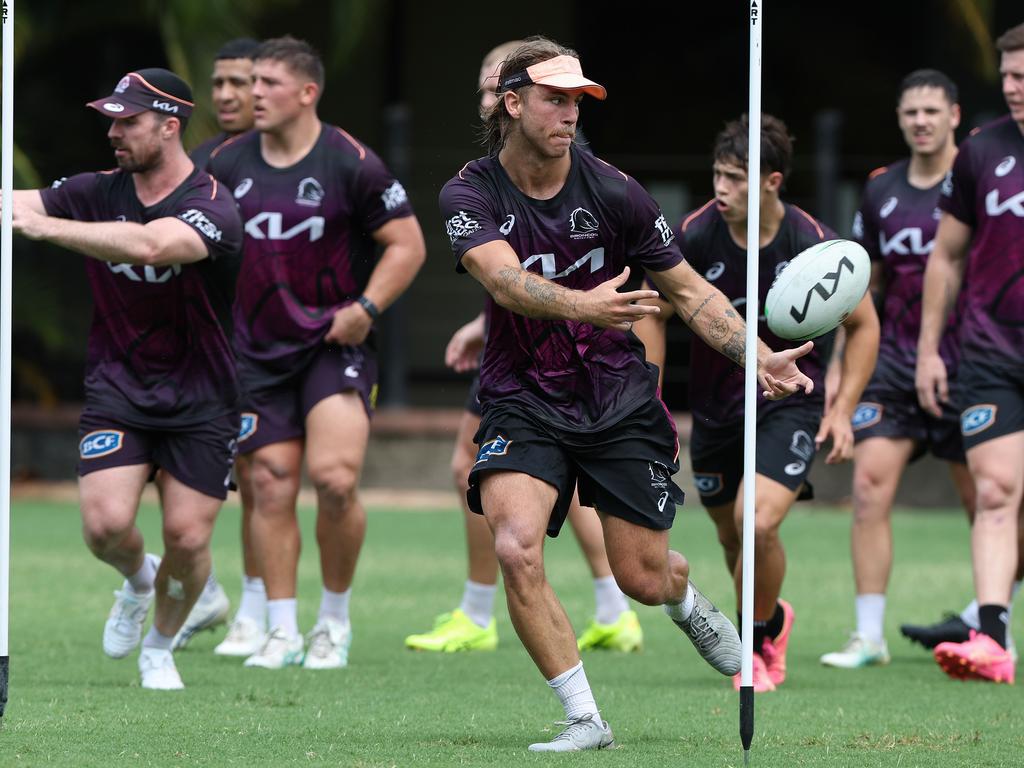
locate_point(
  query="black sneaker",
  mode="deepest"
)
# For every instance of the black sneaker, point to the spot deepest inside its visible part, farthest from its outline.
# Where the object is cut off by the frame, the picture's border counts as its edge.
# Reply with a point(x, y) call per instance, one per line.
point(951, 629)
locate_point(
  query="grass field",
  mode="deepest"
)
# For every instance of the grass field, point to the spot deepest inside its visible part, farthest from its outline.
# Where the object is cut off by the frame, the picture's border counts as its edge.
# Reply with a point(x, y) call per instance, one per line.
point(72, 706)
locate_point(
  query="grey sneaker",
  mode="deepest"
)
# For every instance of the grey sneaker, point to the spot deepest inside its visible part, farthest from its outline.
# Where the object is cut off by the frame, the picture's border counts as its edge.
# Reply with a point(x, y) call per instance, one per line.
point(210, 610)
point(713, 635)
point(587, 732)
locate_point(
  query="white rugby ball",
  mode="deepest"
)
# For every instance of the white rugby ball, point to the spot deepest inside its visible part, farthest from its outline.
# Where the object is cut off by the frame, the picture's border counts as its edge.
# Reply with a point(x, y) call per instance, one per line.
point(817, 290)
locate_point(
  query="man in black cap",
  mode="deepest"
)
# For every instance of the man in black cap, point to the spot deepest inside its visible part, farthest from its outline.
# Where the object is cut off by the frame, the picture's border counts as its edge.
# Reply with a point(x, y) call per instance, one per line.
point(160, 387)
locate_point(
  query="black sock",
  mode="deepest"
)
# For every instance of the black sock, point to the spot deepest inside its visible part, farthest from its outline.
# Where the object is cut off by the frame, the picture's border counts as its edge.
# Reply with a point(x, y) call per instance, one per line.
point(994, 620)
point(762, 629)
point(774, 624)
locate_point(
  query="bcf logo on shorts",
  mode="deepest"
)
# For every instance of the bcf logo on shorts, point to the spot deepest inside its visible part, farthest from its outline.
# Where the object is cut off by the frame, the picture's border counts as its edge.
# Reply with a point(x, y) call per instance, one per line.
point(496, 447)
point(102, 442)
point(977, 419)
point(248, 428)
point(707, 484)
point(866, 415)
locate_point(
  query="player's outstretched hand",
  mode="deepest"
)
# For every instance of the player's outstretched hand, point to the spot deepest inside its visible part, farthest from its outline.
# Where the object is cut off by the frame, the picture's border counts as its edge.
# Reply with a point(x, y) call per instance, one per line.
point(605, 307)
point(463, 351)
point(931, 382)
point(836, 425)
point(779, 375)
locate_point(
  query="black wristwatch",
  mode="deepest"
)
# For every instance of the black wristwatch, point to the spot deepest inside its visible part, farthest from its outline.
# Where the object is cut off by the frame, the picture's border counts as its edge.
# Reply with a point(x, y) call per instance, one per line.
point(369, 306)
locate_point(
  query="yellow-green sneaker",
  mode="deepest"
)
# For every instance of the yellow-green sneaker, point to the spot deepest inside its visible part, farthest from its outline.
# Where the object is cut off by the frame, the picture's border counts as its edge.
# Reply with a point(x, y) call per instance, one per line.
point(454, 632)
point(624, 635)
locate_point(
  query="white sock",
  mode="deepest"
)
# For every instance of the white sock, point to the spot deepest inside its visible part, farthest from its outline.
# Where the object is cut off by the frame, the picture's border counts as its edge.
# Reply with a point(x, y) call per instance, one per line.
point(253, 605)
point(283, 614)
point(154, 639)
point(334, 605)
point(870, 616)
point(681, 611)
point(142, 580)
point(478, 602)
point(574, 692)
point(970, 615)
point(609, 600)
point(211, 582)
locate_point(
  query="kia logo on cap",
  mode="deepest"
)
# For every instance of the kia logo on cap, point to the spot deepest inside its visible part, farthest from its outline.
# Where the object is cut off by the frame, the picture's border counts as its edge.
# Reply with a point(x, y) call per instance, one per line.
point(110, 106)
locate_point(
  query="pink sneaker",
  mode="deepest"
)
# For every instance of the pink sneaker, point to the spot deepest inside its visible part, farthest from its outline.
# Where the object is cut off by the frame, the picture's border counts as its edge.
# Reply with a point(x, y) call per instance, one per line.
point(774, 649)
point(759, 677)
point(980, 658)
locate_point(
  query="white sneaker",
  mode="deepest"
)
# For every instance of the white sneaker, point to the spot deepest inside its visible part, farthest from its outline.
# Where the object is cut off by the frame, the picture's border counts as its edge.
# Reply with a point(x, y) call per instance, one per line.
point(278, 651)
point(329, 642)
point(158, 670)
point(210, 610)
point(858, 652)
point(587, 732)
point(244, 638)
point(123, 631)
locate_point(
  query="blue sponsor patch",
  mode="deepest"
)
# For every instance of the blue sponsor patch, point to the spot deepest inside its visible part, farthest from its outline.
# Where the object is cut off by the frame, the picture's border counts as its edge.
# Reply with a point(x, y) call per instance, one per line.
point(496, 447)
point(708, 484)
point(866, 415)
point(102, 442)
point(248, 428)
point(977, 419)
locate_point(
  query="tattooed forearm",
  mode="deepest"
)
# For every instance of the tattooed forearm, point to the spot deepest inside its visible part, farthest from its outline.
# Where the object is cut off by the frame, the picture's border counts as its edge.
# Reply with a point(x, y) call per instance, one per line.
point(735, 348)
point(533, 296)
point(697, 311)
point(730, 313)
point(718, 329)
point(541, 290)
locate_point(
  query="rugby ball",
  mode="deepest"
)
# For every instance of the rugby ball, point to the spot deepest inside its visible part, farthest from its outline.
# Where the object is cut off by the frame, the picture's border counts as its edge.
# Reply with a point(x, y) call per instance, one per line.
point(817, 290)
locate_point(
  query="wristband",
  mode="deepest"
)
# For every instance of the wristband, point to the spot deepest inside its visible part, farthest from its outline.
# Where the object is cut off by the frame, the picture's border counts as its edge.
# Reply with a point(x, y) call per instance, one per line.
point(369, 306)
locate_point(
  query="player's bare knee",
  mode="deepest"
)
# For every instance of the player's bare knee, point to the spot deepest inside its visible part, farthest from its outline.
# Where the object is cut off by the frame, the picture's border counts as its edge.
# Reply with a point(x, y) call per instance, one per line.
point(186, 542)
point(518, 557)
point(644, 586)
point(992, 493)
point(103, 535)
point(335, 484)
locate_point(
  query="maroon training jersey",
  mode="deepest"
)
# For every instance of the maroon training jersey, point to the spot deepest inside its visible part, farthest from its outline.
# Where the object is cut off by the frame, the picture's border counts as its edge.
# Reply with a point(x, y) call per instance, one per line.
point(308, 247)
point(985, 190)
point(896, 224)
point(159, 353)
point(572, 374)
point(201, 154)
point(716, 382)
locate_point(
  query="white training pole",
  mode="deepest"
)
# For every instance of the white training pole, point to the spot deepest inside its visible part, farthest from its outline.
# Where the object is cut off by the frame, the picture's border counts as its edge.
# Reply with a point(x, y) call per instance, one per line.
point(6, 257)
point(750, 382)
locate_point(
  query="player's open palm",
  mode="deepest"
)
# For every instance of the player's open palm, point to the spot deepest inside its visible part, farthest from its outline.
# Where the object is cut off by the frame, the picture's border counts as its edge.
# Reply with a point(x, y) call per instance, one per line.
point(780, 376)
point(606, 307)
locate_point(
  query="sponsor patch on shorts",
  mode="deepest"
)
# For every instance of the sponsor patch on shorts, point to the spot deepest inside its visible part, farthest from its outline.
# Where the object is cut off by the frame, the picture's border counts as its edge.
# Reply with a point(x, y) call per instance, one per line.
point(496, 447)
point(866, 415)
point(708, 483)
point(977, 419)
point(249, 424)
point(101, 442)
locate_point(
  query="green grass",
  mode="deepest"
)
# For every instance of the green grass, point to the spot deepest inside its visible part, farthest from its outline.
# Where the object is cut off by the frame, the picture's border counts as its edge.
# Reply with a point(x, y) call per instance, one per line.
point(72, 706)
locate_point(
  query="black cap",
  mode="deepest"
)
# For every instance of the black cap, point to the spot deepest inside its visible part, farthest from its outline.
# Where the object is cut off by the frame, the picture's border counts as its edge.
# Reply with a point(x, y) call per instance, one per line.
point(154, 89)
